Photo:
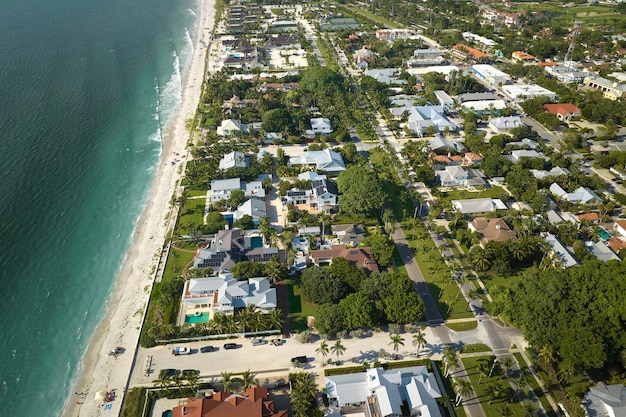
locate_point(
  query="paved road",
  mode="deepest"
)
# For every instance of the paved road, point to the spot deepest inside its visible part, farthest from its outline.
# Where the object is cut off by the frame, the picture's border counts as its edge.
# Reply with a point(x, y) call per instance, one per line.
point(552, 138)
point(406, 253)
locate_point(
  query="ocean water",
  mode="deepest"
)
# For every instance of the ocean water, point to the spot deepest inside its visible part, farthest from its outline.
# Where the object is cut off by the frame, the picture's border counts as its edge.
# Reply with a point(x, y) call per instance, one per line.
point(86, 87)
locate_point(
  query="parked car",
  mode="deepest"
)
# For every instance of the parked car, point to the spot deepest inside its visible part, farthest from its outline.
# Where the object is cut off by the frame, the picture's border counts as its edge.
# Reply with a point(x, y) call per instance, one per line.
point(168, 372)
point(206, 349)
point(277, 341)
point(229, 346)
point(258, 342)
point(190, 372)
point(181, 351)
point(299, 359)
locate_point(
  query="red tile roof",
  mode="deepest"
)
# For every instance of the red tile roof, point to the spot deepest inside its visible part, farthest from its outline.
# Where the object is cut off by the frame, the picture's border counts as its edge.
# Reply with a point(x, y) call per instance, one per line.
point(475, 53)
point(561, 108)
point(250, 403)
point(616, 244)
point(589, 216)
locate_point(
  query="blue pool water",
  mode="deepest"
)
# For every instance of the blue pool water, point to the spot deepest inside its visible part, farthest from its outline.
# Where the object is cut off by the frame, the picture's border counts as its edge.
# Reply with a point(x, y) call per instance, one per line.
point(202, 318)
point(604, 234)
point(256, 242)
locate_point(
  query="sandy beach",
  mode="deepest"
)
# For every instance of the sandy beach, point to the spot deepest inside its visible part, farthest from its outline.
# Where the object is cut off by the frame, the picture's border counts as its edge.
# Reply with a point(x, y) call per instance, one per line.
point(121, 323)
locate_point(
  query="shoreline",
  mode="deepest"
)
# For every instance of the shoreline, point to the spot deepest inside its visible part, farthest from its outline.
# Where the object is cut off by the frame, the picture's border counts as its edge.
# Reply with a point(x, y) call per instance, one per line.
point(125, 308)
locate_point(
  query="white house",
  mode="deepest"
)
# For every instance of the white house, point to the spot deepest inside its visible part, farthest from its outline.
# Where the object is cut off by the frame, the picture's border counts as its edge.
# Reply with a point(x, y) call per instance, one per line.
point(385, 391)
point(452, 176)
point(491, 75)
point(559, 250)
point(326, 160)
point(478, 205)
point(234, 159)
point(522, 92)
point(444, 100)
point(321, 197)
point(221, 189)
point(231, 127)
point(620, 227)
point(422, 117)
point(580, 195)
point(321, 126)
point(517, 155)
point(224, 294)
point(601, 251)
point(505, 124)
point(554, 172)
point(252, 207)
point(606, 400)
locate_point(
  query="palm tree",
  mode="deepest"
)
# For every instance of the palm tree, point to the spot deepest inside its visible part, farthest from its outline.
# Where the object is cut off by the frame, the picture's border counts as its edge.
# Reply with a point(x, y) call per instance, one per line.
point(389, 221)
point(248, 380)
point(507, 363)
point(164, 382)
point(449, 360)
point(546, 353)
point(338, 349)
point(419, 340)
point(566, 371)
point(273, 319)
point(264, 228)
point(396, 341)
point(529, 409)
point(521, 383)
point(462, 388)
point(323, 350)
point(246, 318)
point(494, 390)
point(505, 411)
point(483, 370)
point(273, 270)
point(227, 380)
point(324, 220)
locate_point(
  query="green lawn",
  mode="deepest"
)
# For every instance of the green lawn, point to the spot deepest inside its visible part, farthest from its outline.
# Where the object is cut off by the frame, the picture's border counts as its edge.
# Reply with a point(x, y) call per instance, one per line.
point(460, 411)
point(371, 16)
point(463, 326)
point(534, 385)
point(475, 347)
point(299, 307)
point(191, 216)
point(176, 261)
point(196, 193)
point(492, 192)
point(493, 409)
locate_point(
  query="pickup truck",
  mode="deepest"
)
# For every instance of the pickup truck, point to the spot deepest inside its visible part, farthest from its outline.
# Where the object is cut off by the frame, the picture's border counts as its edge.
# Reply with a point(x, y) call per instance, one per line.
point(181, 351)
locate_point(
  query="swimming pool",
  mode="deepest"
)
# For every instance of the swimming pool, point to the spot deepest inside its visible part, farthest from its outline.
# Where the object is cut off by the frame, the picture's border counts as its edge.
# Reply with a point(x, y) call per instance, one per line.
point(256, 242)
point(167, 413)
point(603, 233)
point(193, 319)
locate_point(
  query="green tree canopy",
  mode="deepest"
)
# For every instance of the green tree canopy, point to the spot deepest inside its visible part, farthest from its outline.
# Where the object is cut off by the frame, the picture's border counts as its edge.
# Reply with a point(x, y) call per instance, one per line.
point(358, 311)
point(382, 247)
point(329, 319)
point(361, 190)
point(321, 286)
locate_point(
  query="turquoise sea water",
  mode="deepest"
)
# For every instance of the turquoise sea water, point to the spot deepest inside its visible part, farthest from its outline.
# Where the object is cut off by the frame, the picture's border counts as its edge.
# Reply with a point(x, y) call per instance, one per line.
point(85, 87)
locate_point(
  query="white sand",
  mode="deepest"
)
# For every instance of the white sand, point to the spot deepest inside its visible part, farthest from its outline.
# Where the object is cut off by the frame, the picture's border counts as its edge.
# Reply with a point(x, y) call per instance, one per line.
point(123, 318)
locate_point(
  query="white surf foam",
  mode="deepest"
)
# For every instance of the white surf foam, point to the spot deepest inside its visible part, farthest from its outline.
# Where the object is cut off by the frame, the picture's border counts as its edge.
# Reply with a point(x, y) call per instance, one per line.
point(191, 12)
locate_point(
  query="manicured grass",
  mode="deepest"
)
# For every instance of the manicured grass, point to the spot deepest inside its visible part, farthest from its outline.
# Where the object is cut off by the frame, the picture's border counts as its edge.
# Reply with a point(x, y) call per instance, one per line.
point(277, 12)
point(475, 347)
point(534, 385)
point(196, 193)
point(328, 53)
point(493, 409)
point(176, 261)
point(460, 411)
point(464, 326)
point(299, 307)
point(374, 18)
point(191, 216)
point(492, 192)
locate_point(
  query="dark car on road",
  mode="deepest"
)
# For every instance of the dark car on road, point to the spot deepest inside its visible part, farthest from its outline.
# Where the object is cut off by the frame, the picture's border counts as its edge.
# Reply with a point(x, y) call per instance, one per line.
point(299, 359)
point(190, 372)
point(168, 372)
point(206, 349)
point(229, 346)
